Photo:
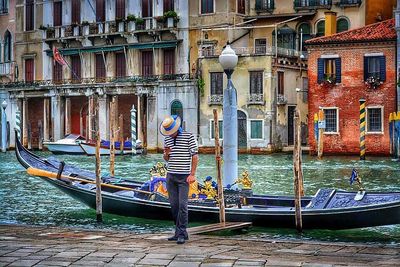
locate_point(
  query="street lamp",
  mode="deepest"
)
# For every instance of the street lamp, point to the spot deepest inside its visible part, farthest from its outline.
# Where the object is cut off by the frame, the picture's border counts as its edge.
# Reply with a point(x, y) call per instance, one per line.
point(228, 60)
point(4, 127)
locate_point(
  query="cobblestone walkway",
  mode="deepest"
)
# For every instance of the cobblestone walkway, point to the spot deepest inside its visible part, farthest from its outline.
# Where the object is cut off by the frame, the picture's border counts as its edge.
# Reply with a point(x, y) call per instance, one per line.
point(53, 246)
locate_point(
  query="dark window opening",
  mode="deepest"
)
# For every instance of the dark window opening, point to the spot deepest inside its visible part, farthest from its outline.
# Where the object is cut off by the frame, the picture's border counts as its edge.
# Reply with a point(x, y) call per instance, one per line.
point(57, 13)
point(120, 9)
point(147, 63)
point(168, 5)
point(216, 86)
point(281, 82)
point(100, 11)
point(147, 8)
point(256, 82)
point(29, 15)
point(76, 11)
point(76, 68)
point(57, 72)
point(120, 65)
point(207, 6)
point(169, 61)
point(100, 68)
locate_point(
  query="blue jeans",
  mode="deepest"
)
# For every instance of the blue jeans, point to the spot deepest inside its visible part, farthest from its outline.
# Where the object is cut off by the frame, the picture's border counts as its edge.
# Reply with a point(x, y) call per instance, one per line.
point(178, 190)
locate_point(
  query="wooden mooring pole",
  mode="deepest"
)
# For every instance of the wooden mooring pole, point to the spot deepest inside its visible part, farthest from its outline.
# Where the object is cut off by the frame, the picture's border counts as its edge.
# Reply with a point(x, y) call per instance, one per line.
point(298, 175)
point(121, 133)
point(221, 200)
point(112, 138)
point(99, 204)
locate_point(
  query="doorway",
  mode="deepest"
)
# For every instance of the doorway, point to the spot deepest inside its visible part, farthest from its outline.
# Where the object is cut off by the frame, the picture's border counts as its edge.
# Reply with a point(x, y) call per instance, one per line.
point(242, 129)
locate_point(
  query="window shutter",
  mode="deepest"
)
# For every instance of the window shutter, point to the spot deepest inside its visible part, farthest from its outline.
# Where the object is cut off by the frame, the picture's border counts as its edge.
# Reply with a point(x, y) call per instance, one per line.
point(382, 65)
point(338, 64)
point(365, 68)
point(320, 70)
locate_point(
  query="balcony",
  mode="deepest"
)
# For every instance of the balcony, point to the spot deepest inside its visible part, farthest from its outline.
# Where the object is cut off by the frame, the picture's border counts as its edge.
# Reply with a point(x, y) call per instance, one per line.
point(127, 81)
point(215, 99)
point(255, 99)
point(7, 68)
point(265, 6)
point(281, 100)
point(255, 51)
point(349, 3)
point(312, 4)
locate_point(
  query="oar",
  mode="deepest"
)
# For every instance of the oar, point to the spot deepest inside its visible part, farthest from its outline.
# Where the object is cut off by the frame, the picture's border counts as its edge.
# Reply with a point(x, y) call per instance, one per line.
point(43, 173)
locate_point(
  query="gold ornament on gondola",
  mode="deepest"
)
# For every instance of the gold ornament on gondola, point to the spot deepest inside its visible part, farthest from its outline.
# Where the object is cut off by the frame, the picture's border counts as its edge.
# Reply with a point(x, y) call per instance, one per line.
point(209, 190)
point(158, 170)
point(245, 180)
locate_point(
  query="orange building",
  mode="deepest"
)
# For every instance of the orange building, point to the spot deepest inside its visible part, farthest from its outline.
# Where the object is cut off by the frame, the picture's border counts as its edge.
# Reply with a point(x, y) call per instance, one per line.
point(343, 69)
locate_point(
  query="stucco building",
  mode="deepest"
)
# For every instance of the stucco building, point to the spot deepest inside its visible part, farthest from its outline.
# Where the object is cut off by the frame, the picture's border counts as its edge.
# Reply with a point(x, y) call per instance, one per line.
point(135, 52)
point(345, 68)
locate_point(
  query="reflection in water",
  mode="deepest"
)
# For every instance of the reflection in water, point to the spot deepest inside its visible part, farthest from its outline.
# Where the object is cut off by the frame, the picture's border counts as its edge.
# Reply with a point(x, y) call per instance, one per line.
point(27, 200)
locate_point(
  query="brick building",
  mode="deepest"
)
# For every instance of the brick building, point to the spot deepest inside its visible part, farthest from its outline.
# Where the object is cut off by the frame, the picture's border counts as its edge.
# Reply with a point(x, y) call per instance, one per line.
point(340, 71)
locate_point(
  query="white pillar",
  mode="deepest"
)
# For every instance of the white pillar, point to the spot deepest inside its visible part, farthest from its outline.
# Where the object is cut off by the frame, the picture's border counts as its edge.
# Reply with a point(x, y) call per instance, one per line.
point(56, 117)
point(13, 109)
point(67, 115)
point(46, 119)
point(103, 121)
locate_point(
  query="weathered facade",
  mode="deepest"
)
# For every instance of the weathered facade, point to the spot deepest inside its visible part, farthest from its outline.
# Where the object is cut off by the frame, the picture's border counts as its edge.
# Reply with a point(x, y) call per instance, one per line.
point(123, 50)
point(348, 67)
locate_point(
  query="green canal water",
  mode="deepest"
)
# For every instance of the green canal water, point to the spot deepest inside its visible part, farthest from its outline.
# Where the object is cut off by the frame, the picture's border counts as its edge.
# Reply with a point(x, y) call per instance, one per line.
point(28, 200)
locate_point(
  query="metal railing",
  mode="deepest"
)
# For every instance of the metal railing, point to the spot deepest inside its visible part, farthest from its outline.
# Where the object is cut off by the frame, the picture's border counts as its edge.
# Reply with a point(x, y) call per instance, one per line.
point(256, 99)
point(101, 81)
point(6, 68)
point(264, 5)
point(256, 51)
point(299, 4)
point(215, 99)
point(350, 2)
point(281, 99)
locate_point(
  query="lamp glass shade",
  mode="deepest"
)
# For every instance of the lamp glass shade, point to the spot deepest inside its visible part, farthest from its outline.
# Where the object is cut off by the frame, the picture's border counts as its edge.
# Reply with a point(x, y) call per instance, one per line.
point(4, 104)
point(228, 58)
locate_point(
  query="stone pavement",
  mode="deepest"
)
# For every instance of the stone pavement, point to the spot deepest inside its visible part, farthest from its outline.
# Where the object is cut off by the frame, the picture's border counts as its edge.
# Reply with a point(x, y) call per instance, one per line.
point(54, 246)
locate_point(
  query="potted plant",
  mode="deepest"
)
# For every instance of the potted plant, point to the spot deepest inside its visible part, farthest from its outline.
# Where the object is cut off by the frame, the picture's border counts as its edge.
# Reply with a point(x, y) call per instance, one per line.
point(42, 27)
point(171, 17)
point(131, 22)
point(373, 82)
point(85, 27)
point(329, 81)
point(139, 22)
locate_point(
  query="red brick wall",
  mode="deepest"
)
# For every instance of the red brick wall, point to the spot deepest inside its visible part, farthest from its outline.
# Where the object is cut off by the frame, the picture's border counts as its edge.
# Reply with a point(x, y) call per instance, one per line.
point(346, 97)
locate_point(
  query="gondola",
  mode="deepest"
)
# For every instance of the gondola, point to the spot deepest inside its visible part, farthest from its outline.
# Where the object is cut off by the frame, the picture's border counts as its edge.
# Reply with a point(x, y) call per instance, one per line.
point(327, 209)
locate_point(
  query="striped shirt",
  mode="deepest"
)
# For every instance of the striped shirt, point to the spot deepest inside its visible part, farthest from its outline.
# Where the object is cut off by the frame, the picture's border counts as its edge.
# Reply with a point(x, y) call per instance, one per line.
point(183, 147)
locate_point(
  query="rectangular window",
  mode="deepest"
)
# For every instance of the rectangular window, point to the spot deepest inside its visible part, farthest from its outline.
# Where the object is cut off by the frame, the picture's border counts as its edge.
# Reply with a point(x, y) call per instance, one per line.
point(76, 68)
point(29, 70)
point(331, 119)
point(119, 9)
point(281, 83)
point(76, 11)
point(29, 15)
point(220, 129)
point(57, 13)
point(169, 61)
point(57, 72)
point(168, 5)
point(374, 120)
point(100, 68)
point(207, 6)
point(264, 5)
point(216, 85)
point(147, 8)
point(375, 66)
point(241, 8)
point(256, 82)
point(329, 69)
point(4, 6)
point(100, 10)
point(120, 65)
point(260, 46)
point(305, 89)
point(147, 63)
point(256, 129)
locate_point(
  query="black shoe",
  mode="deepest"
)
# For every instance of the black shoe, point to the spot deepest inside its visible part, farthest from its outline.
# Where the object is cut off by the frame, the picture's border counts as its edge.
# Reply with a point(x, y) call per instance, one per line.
point(180, 240)
point(173, 238)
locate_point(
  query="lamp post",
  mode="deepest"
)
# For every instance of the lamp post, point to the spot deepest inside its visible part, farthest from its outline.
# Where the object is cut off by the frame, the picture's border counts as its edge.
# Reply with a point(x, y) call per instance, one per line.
point(4, 127)
point(228, 60)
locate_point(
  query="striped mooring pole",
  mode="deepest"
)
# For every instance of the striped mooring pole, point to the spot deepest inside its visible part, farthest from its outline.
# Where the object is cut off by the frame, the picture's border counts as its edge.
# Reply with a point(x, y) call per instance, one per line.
point(18, 123)
point(133, 129)
point(362, 129)
point(397, 135)
point(316, 127)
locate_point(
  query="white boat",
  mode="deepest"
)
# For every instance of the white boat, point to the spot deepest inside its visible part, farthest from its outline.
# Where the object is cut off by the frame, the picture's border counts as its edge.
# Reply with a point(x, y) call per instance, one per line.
point(90, 148)
point(67, 145)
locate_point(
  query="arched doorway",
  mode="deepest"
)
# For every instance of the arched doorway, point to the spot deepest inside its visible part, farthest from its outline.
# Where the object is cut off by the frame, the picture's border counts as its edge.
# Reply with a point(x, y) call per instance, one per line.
point(242, 129)
point(177, 108)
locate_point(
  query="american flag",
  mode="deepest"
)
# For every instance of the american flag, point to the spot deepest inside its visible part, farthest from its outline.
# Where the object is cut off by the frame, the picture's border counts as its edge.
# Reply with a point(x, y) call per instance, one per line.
point(58, 57)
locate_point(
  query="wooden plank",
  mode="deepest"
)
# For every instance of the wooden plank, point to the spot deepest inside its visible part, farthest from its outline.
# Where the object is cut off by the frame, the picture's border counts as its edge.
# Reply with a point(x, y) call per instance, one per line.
point(218, 227)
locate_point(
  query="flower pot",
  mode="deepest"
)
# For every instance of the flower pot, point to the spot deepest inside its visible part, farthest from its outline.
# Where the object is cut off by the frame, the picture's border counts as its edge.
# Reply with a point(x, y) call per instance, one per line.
point(121, 26)
point(170, 22)
point(131, 26)
point(44, 34)
point(62, 32)
point(148, 24)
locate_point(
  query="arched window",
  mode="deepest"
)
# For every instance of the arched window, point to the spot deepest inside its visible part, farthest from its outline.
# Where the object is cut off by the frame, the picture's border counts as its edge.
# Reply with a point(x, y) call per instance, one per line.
point(7, 47)
point(304, 34)
point(177, 109)
point(320, 28)
point(342, 25)
point(286, 37)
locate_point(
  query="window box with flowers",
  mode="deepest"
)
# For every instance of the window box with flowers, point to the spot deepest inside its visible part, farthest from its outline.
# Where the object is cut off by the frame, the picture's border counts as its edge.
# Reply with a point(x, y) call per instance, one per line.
point(373, 82)
point(374, 70)
point(329, 71)
point(172, 18)
point(329, 81)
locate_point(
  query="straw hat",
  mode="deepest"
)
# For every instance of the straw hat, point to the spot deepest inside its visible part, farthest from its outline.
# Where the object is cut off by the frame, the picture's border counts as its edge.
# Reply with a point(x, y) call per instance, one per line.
point(170, 125)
